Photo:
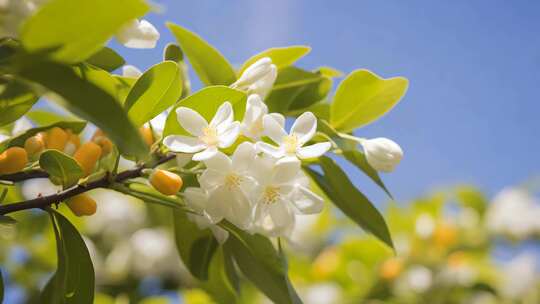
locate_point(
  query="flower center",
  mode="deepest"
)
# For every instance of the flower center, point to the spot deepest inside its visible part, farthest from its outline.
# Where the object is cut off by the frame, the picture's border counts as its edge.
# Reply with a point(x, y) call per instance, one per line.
point(233, 180)
point(270, 194)
point(210, 136)
point(257, 127)
point(290, 143)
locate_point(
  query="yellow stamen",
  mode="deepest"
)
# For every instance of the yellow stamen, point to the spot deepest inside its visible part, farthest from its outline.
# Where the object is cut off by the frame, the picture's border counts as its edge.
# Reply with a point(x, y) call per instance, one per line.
point(233, 180)
point(210, 136)
point(290, 142)
point(270, 195)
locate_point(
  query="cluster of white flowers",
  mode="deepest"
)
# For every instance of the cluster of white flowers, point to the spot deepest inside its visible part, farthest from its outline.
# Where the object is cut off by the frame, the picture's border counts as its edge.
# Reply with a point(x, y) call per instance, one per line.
point(260, 187)
point(514, 212)
point(137, 34)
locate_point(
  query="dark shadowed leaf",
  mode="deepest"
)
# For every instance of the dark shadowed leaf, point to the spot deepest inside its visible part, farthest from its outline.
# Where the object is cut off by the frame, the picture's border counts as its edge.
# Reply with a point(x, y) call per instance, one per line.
point(15, 100)
point(106, 59)
point(222, 282)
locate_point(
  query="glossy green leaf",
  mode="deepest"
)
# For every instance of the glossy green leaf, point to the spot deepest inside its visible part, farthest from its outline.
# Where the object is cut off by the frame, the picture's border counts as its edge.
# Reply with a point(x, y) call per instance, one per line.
point(115, 85)
point(363, 97)
point(349, 150)
point(282, 57)
point(156, 90)
point(78, 28)
point(15, 100)
point(87, 100)
point(43, 118)
point(206, 102)
point(337, 186)
point(63, 170)
point(296, 88)
point(261, 264)
point(106, 59)
point(74, 279)
point(173, 52)
point(195, 246)
point(222, 278)
point(74, 126)
point(211, 67)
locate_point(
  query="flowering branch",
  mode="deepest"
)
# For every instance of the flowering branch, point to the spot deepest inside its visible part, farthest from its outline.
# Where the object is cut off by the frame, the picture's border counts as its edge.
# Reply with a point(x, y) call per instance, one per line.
point(104, 182)
point(23, 175)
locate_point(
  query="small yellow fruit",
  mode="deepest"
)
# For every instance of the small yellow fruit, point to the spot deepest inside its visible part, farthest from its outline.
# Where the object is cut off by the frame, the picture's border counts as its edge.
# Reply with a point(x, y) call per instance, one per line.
point(87, 156)
point(57, 139)
point(166, 182)
point(35, 144)
point(103, 141)
point(147, 135)
point(82, 205)
point(13, 160)
point(445, 235)
point(391, 268)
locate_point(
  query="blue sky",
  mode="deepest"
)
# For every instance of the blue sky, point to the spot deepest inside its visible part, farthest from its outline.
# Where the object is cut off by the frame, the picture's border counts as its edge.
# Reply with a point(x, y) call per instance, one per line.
point(471, 112)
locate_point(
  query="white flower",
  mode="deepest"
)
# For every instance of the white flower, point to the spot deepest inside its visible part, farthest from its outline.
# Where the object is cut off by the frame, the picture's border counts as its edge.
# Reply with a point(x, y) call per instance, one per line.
point(419, 278)
point(252, 124)
point(292, 144)
point(519, 276)
point(258, 78)
point(13, 13)
point(221, 132)
point(424, 226)
point(131, 71)
point(138, 35)
point(197, 199)
point(280, 193)
point(382, 153)
point(228, 184)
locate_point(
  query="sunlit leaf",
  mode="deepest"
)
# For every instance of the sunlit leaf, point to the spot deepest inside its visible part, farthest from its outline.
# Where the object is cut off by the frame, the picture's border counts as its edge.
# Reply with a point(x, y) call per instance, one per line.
point(63, 170)
point(78, 28)
point(281, 56)
point(363, 97)
point(211, 67)
point(155, 91)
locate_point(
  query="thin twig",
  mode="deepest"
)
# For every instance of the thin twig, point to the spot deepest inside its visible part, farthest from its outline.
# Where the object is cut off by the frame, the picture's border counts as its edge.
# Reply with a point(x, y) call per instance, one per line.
point(104, 182)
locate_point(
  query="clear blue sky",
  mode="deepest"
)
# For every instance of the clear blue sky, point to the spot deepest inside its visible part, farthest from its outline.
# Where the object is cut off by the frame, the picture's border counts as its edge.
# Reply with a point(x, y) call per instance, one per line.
point(471, 112)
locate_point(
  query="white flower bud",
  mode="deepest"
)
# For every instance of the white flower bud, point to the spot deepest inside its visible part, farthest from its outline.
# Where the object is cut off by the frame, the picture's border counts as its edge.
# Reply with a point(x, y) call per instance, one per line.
point(254, 73)
point(382, 153)
point(138, 35)
point(265, 84)
point(131, 71)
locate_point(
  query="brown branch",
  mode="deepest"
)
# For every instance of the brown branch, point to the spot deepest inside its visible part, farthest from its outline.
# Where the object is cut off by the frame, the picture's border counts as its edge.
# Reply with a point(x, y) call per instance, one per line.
point(104, 182)
point(24, 175)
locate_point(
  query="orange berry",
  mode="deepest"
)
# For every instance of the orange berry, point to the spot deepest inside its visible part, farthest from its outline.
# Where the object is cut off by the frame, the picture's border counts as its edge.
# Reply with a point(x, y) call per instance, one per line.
point(13, 160)
point(82, 205)
point(103, 141)
point(391, 268)
point(35, 144)
point(147, 135)
point(445, 235)
point(57, 139)
point(87, 155)
point(166, 182)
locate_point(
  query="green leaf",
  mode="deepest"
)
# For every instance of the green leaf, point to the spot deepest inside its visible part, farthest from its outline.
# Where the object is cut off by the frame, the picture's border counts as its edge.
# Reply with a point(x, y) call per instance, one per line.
point(337, 186)
point(74, 279)
point(297, 88)
point(78, 28)
point(63, 170)
point(206, 102)
point(222, 278)
point(1, 288)
point(363, 97)
point(86, 99)
point(173, 52)
point(74, 126)
point(115, 85)
point(261, 264)
point(106, 59)
point(157, 89)
point(349, 149)
point(195, 246)
point(15, 100)
point(208, 63)
point(6, 220)
point(281, 56)
point(43, 118)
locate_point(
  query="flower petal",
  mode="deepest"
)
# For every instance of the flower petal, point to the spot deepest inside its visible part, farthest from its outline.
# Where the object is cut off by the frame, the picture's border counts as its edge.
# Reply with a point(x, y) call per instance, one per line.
point(273, 129)
point(313, 151)
point(211, 179)
point(219, 162)
point(305, 127)
point(286, 170)
point(219, 233)
point(138, 35)
point(131, 71)
point(270, 150)
point(308, 202)
point(279, 118)
point(224, 114)
point(206, 154)
point(243, 156)
point(190, 120)
point(229, 135)
point(184, 144)
point(255, 107)
point(196, 198)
